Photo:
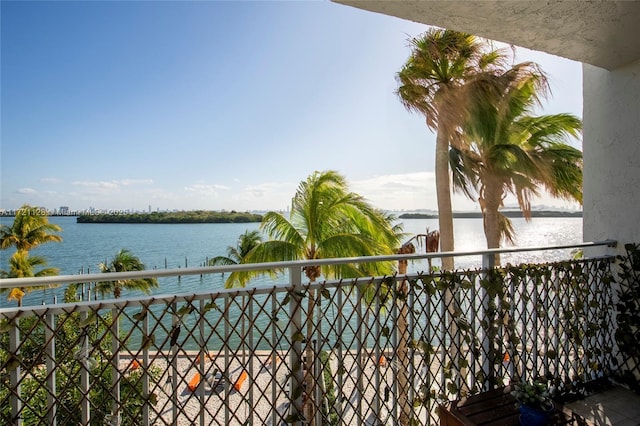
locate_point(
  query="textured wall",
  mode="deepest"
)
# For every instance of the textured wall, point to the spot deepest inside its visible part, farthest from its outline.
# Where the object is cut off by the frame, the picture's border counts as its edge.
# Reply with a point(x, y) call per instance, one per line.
point(602, 33)
point(611, 146)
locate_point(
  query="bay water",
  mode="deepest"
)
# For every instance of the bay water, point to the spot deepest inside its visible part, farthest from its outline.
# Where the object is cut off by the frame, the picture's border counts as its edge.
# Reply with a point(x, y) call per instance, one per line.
point(161, 246)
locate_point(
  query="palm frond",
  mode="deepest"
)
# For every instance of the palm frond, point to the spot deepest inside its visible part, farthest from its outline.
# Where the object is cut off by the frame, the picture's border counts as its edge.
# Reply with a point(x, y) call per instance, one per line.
point(507, 231)
point(465, 169)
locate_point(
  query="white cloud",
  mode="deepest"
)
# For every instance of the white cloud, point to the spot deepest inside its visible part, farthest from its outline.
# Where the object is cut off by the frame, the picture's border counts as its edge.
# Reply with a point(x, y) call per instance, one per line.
point(204, 189)
point(97, 184)
point(50, 180)
point(26, 191)
point(408, 191)
point(265, 196)
point(127, 182)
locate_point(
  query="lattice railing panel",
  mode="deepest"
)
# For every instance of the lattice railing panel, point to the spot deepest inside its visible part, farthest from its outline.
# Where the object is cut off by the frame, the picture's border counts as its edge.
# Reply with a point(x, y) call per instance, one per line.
point(381, 350)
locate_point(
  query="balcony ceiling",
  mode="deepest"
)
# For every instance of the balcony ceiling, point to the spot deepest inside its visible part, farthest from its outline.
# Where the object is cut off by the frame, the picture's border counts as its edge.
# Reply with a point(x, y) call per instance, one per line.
point(601, 33)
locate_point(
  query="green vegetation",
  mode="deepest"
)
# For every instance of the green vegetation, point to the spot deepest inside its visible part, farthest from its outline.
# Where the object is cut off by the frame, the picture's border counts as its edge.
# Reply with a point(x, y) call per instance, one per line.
point(326, 221)
point(507, 150)
point(628, 329)
point(195, 216)
point(124, 261)
point(236, 255)
point(487, 142)
point(430, 83)
point(72, 333)
point(30, 228)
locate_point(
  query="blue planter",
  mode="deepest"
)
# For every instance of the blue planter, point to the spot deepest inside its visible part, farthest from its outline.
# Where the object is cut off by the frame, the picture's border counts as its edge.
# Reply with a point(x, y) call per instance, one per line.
point(530, 416)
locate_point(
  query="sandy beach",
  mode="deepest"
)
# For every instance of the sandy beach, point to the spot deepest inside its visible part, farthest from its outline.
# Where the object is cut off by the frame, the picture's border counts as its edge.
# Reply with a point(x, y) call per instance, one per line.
point(260, 400)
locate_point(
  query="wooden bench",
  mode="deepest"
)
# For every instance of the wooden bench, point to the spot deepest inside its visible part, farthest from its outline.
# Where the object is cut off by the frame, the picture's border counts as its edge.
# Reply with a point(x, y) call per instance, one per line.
point(497, 408)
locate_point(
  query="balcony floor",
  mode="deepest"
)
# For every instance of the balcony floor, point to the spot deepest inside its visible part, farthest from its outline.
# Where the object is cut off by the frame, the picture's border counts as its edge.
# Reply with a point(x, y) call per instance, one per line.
point(615, 406)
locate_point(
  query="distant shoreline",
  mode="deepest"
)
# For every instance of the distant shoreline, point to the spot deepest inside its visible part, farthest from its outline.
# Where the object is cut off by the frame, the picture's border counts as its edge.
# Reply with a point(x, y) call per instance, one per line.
point(477, 215)
point(197, 216)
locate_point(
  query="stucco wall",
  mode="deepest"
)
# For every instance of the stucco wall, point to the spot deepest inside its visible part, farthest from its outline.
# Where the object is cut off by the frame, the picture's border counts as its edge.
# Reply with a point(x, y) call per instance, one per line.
point(611, 146)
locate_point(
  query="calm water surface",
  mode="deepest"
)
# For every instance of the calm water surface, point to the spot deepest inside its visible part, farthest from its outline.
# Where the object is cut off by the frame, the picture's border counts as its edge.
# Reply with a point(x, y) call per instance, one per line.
point(84, 246)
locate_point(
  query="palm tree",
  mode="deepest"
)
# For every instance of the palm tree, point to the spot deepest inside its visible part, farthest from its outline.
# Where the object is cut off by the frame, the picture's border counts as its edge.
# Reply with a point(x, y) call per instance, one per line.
point(124, 261)
point(429, 82)
point(30, 228)
point(236, 255)
point(326, 221)
point(509, 151)
point(21, 265)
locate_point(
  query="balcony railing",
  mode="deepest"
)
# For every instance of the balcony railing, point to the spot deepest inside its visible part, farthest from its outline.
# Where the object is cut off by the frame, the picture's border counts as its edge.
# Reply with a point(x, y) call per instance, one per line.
point(381, 350)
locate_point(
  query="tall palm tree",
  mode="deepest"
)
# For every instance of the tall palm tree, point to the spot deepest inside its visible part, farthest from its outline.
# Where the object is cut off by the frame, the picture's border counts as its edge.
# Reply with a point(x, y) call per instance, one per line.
point(327, 221)
point(429, 82)
point(124, 261)
point(21, 265)
point(30, 228)
point(510, 151)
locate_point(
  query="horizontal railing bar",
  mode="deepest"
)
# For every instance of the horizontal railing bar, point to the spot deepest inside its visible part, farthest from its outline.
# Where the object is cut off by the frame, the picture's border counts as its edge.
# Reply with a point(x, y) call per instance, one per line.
point(216, 295)
point(159, 273)
point(184, 297)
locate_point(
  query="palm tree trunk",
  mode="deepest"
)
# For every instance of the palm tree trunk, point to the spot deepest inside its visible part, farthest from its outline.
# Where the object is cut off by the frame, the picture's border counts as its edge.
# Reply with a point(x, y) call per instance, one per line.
point(443, 190)
point(490, 202)
point(445, 222)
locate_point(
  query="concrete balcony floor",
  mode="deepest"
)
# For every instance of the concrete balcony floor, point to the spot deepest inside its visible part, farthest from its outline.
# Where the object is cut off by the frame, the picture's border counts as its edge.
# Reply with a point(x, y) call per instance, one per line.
point(616, 406)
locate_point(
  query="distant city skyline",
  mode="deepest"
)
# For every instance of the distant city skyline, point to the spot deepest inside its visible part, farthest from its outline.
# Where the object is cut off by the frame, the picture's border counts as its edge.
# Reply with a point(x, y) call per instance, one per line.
point(216, 105)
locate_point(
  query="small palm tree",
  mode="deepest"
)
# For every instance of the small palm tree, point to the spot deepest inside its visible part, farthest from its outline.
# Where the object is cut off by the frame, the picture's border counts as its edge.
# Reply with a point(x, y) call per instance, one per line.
point(510, 151)
point(21, 265)
point(124, 261)
point(30, 228)
point(326, 221)
point(236, 255)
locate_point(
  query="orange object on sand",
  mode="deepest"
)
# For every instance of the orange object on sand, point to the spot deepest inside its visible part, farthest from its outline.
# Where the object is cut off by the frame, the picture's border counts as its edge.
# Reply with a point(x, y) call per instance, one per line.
point(238, 384)
point(194, 382)
point(207, 357)
point(134, 365)
point(382, 361)
point(273, 359)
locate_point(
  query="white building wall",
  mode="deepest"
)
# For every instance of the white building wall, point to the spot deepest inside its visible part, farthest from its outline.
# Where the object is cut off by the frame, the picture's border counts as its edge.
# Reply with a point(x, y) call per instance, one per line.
point(611, 143)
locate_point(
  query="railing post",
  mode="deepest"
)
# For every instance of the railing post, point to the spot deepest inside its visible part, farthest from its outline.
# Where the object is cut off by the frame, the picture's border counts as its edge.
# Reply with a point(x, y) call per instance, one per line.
point(395, 415)
point(16, 395)
point(402, 346)
point(115, 367)
point(377, 357)
point(252, 351)
point(339, 343)
point(488, 262)
point(175, 349)
point(85, 405)
point(295, 359)
point(202, 354)
point(50, 362)
point(359, 390)
point(145, 369)
point(227, 357)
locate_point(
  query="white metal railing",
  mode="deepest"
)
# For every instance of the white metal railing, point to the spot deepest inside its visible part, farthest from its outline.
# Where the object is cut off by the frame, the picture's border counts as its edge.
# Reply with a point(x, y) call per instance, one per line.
point(487, 255)
point(285, 343)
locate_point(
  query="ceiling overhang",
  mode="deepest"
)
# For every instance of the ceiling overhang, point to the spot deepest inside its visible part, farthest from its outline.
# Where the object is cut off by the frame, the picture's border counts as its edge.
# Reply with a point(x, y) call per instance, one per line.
point(601, 33)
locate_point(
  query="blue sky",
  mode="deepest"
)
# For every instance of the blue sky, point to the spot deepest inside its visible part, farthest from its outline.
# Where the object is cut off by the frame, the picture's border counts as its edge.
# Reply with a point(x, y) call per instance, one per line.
point(214, 105)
